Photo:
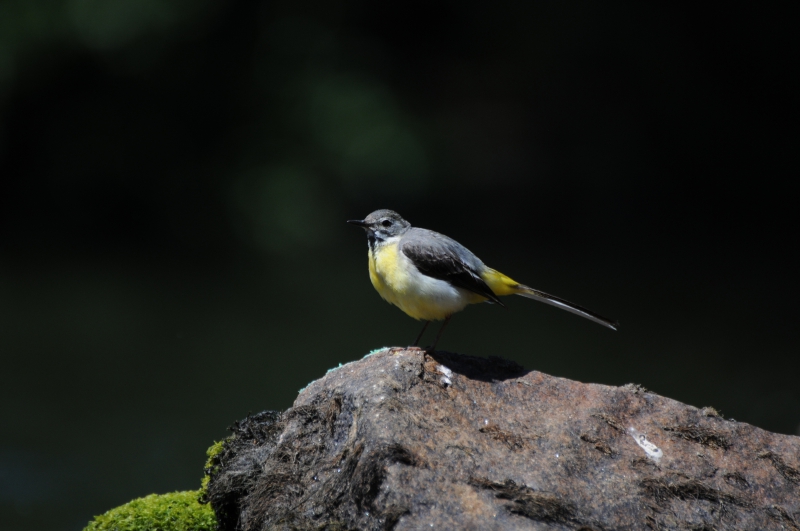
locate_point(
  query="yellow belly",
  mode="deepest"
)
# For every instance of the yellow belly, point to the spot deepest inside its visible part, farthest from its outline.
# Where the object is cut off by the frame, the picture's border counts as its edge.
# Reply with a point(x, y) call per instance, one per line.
point(399, 282)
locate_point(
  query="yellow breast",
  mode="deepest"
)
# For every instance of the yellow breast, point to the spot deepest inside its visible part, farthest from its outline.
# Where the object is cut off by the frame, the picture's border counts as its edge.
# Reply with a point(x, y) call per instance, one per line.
point(388, 278)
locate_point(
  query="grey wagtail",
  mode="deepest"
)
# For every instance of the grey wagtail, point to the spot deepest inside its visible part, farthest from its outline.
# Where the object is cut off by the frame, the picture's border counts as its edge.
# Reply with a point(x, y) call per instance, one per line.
point(430, 276)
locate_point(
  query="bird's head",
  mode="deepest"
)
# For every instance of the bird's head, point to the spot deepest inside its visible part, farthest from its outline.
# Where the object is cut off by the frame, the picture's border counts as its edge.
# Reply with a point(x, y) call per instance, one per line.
point(382, 225)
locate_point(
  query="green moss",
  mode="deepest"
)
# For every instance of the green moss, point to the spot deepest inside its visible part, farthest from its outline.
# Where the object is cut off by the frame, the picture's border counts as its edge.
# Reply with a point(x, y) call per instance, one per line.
point(212, 463)
point(213, 451)
point(176, 511)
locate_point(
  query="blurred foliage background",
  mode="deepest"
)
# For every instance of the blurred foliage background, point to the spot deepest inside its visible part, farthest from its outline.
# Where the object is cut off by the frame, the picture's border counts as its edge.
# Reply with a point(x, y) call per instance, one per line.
point(175, 176)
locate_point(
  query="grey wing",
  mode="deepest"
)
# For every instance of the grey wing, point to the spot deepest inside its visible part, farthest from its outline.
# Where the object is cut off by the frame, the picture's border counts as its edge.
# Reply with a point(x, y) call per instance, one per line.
point(443, 258)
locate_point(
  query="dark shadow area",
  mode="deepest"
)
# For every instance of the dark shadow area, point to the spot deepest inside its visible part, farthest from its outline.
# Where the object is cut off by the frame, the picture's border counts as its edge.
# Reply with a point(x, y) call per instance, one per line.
point(489, 369)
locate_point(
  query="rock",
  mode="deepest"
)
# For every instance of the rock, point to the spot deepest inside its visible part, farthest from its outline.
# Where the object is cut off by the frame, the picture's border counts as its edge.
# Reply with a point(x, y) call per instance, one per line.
point(406, 440)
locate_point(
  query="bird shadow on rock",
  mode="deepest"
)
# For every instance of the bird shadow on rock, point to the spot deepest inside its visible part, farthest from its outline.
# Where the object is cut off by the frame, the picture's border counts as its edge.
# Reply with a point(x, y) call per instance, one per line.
point(491, 369)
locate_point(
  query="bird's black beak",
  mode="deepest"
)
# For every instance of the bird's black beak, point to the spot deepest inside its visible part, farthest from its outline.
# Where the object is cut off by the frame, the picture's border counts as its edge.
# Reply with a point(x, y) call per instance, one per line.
point(359, 222)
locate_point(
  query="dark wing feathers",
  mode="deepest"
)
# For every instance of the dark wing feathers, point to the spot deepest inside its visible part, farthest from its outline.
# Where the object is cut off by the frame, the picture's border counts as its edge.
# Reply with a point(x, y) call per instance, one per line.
point(443, 258)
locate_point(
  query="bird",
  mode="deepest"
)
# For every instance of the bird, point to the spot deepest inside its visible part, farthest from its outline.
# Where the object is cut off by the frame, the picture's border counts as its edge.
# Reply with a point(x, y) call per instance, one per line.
point(431, 276)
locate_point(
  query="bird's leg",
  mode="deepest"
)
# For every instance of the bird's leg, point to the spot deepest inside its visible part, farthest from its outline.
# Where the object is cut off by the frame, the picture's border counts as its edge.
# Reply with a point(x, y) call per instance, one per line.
point(447, 320)
point(420, 334)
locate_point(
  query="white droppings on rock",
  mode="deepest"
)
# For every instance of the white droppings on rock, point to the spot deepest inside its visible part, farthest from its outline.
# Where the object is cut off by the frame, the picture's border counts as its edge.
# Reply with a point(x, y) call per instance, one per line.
point(445, 380)
point(652, 451)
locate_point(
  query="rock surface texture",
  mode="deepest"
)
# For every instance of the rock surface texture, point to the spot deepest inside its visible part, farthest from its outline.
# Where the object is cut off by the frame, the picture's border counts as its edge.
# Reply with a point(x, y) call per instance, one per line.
point(407, 440)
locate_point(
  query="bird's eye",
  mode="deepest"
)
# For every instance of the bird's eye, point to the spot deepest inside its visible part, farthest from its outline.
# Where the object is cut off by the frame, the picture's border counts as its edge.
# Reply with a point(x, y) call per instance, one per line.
point(386, 222)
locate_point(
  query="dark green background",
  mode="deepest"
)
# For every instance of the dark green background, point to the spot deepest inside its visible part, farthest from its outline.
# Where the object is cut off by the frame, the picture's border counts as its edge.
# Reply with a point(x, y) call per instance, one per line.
point(175, 176)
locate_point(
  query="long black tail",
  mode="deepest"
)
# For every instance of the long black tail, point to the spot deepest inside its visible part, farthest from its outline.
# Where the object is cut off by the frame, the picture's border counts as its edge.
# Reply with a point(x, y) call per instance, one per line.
point(552, 300)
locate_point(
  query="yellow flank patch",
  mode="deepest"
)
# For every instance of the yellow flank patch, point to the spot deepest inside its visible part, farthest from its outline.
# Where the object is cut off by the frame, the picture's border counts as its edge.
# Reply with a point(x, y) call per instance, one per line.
point(399, 282)
point(500, 284)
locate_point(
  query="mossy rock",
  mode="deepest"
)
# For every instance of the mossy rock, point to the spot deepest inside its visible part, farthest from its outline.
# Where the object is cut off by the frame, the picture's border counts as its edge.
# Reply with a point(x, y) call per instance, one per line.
point(176, 511)
point(212, 464)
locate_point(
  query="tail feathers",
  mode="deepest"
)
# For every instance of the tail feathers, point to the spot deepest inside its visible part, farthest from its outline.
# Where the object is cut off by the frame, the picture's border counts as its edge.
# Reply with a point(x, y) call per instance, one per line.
point(552, 300)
